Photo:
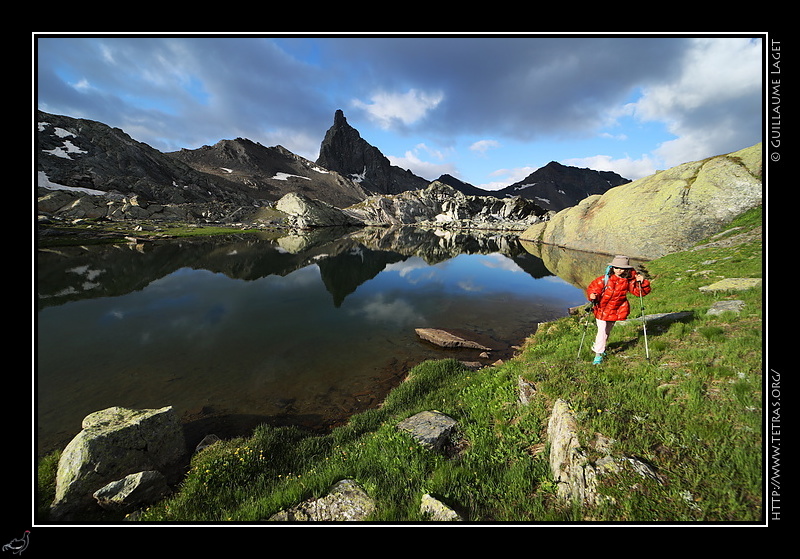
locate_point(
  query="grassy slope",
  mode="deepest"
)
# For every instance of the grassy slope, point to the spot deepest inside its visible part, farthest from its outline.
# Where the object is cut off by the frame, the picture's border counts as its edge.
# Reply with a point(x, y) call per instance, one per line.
point(693, 411)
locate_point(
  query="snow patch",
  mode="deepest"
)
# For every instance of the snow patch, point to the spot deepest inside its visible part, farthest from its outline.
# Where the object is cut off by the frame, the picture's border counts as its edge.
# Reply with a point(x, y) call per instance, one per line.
point(285, 176)
point(43, 181)
point(67, 148)
point(361, 177)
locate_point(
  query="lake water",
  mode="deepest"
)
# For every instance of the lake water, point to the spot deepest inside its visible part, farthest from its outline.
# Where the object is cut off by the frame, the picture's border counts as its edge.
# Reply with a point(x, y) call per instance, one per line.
point(239, 330)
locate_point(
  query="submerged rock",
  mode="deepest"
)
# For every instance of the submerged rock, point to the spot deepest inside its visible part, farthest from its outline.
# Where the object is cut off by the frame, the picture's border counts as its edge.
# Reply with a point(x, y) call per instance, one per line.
point(450, 338)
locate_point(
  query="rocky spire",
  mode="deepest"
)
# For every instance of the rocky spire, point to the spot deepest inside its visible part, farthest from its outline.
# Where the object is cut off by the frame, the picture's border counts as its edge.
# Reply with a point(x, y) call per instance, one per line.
point(344, 150)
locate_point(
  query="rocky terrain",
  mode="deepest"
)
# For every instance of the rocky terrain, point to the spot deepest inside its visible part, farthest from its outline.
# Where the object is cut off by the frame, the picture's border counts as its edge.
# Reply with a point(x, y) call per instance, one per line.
point(669, 211)
point(88, 170)
point(344, 151)
point(441, 205)
point(271, 172)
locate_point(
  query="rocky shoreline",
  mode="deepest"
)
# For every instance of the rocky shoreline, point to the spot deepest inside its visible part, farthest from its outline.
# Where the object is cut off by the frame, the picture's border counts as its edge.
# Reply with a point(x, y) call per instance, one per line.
point(438, 205)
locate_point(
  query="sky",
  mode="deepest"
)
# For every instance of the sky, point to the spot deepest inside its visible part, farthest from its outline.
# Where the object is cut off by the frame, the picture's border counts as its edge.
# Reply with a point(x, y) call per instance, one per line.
point(487, 109)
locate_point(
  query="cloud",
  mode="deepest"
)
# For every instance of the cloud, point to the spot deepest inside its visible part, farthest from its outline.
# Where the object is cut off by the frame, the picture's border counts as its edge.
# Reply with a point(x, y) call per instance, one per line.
point(713, 105)
point(482, 146)
point(505, 177)
point(388, 109)
point(486, 102)
point(627, 167)
point(183, 92)
point(412, 159)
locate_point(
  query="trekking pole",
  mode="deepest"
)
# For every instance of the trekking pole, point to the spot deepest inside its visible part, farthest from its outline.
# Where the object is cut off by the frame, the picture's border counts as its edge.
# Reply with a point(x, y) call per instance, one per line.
point(644, 322)
point(585, 328)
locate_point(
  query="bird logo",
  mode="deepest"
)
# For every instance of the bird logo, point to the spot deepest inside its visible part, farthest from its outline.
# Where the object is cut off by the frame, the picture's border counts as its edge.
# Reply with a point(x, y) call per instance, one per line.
point(18, 545)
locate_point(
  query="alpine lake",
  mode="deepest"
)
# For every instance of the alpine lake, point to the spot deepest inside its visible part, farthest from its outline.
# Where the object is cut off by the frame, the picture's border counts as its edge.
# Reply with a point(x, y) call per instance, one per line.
point(305, 329)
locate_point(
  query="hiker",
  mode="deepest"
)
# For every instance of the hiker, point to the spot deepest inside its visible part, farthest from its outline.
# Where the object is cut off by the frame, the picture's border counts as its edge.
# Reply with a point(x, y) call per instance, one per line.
point(608, 295)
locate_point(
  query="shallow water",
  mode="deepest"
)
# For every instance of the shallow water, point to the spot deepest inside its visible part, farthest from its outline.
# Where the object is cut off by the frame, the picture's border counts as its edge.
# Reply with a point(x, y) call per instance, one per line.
point(236, 331)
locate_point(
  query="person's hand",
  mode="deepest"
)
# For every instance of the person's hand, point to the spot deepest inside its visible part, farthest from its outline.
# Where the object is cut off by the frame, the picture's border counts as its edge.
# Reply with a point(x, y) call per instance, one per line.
point(639, 278)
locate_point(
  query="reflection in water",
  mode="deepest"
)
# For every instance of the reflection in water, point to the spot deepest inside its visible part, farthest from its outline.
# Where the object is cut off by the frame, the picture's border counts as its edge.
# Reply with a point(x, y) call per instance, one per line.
point(300, 330)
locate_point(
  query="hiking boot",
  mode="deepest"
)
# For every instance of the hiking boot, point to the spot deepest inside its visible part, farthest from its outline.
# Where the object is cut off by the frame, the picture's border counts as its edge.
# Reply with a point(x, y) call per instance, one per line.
point(598, 359)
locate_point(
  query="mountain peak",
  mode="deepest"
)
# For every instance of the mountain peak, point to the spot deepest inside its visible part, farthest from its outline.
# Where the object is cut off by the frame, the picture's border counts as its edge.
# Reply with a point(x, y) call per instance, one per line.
point(556, 186)
point(344, 150)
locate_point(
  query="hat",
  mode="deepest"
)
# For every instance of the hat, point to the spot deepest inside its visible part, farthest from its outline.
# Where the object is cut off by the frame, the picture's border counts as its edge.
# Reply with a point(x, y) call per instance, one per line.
point(620, 262)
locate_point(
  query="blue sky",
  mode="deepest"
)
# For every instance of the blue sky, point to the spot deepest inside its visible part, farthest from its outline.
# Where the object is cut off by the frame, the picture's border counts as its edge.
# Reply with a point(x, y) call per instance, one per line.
point(487, 109)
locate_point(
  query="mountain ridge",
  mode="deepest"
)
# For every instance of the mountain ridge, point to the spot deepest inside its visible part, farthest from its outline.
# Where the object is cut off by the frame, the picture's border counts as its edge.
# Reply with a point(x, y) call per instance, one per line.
point(556, 186)
point(82, 153)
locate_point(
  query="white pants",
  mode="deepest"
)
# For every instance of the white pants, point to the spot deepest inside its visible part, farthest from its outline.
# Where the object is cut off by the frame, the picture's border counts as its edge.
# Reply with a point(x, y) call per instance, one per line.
point(603, 330)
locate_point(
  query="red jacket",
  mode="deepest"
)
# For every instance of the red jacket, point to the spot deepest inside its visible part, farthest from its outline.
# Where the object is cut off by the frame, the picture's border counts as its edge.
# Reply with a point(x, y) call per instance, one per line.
point(612, 296)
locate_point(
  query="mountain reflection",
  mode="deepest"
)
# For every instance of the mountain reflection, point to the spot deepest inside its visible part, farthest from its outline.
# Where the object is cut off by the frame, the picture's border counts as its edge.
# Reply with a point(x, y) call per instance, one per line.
point(252, 328)
point(346, 259)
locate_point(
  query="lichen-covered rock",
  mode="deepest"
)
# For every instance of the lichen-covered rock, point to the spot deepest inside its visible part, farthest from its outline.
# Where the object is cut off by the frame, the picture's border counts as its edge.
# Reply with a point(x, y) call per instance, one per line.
point(430, 428)
point(115, 442)
point(721, 307)
point(667, 212)
point(345, 502)
point(303, 212)
point(436, 510)
point(450, 338)
point(733, 284)
point(134, 490)
point(575, 476)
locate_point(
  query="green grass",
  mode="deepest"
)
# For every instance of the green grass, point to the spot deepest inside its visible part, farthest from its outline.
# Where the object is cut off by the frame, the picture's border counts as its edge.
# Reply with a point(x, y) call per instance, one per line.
point(101, 232)
point(693, 411)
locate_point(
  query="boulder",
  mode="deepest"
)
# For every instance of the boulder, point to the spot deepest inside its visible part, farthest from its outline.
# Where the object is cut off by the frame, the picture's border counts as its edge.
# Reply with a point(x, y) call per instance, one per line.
point(661, 317)
point(527, 391)
point(733, 284)
point(304, 212)
point(134, 490)
point(667, 212)
point(346, 501)
point(429, 428)
point(454, 338)
point(114, 442)
point(574, 474)
point(721, 307)
point(436, 510)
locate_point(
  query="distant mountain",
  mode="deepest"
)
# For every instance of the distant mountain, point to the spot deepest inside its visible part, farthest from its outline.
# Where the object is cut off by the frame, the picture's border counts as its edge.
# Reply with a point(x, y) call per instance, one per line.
point(465, 187)
point(556, 186)
point(79, 153)
point(271, 172)
point(344, 150)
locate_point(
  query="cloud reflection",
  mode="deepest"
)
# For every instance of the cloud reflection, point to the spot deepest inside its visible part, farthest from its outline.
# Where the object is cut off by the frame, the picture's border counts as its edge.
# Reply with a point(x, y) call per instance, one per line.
point(380, 309)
